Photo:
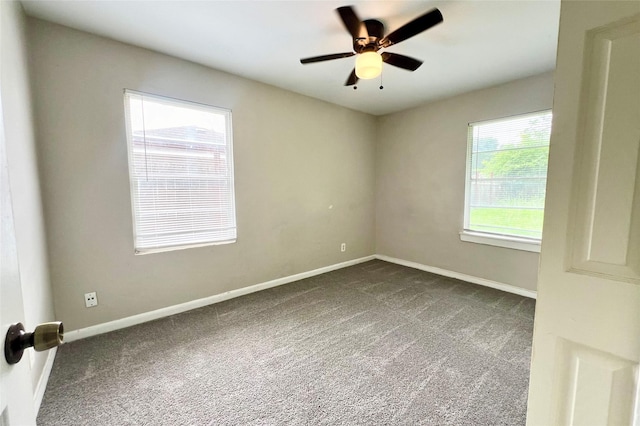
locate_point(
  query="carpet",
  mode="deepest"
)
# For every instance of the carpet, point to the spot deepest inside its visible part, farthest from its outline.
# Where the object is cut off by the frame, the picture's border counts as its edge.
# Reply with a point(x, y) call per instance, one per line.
point(372, 344)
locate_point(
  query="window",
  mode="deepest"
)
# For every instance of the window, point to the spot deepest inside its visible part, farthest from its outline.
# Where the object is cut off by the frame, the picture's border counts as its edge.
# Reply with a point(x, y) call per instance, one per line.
point(506, 181)
point(181, 173)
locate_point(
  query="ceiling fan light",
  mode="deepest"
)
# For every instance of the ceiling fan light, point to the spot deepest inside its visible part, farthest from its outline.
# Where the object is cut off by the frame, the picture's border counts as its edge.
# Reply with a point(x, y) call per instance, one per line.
point(368, 65)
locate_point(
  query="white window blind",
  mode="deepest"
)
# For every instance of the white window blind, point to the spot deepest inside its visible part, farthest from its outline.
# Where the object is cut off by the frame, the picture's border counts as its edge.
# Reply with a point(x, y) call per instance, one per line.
point(507, 175)
point(181, 173)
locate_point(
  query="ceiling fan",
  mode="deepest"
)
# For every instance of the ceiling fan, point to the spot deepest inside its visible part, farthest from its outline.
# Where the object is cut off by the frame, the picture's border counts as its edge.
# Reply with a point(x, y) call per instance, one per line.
point(368, 39)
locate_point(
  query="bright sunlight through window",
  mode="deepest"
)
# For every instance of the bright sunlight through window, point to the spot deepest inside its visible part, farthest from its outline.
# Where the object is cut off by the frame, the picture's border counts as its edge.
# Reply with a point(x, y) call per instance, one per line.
point(181, 173)
point(507, 176)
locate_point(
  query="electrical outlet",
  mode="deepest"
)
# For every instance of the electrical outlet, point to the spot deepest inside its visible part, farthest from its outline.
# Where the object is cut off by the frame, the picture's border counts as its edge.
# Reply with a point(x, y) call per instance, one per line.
point(343, 247)
point(91, 299)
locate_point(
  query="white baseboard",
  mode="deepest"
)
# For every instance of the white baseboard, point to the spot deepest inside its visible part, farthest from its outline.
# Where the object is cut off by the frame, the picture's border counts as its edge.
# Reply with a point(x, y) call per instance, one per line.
point(44, 379)
point(464, 277)
point(106, 327)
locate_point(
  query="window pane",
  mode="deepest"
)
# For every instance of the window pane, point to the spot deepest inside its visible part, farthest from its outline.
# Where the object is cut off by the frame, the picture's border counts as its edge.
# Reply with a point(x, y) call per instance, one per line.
point(507, 175)
point(181, 172)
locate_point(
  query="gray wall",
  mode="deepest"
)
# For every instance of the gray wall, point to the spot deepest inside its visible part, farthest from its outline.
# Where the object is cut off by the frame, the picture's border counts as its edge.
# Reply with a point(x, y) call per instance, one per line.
point(23, 176)
point(294, 157)
point(420, 181)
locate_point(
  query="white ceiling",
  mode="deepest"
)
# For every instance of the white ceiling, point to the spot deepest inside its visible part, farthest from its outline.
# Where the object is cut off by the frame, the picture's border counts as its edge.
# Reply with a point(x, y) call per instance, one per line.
point(479, 44)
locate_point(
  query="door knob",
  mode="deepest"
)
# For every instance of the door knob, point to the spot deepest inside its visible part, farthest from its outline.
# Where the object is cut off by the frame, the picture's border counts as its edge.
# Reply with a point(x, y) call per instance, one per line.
point(46, 336)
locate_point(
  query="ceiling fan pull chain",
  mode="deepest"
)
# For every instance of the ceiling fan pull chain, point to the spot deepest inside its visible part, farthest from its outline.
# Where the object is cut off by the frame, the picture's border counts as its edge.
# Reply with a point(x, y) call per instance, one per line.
point(381, 86)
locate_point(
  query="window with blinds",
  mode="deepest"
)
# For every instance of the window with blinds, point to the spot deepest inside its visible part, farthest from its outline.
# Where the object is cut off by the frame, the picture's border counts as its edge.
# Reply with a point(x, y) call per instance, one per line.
point(181, 173)
point(507, 175)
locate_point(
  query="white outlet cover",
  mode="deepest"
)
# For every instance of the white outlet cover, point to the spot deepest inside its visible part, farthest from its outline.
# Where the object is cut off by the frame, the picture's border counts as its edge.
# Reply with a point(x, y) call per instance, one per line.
point(91, 299)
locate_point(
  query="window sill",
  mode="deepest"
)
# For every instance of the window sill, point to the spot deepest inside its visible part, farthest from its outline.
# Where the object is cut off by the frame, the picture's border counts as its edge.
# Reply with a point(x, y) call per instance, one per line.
point(142, 252)
point(501, 241)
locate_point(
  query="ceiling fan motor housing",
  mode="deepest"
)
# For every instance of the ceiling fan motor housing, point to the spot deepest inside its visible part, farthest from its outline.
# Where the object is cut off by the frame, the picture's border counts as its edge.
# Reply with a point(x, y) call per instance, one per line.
point(375, 32)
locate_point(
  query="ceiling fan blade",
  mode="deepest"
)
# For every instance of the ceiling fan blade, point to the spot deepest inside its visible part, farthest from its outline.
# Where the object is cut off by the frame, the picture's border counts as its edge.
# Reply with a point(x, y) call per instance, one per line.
point(401, 61)
point(408, 30)
point(325, 57)
point(353, 78)
point(352, 23)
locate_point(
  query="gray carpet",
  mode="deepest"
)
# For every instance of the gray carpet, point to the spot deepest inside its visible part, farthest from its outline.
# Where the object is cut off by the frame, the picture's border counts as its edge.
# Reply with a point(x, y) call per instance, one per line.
point(375, 343)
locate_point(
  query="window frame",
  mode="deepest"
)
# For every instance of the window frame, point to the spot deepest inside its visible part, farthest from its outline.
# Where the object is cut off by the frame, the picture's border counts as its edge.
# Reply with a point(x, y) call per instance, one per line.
point(227, 113)
point(489, 238)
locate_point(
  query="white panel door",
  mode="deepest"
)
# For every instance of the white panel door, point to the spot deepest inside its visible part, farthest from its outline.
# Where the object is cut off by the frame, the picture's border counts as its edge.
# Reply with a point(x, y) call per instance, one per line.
point(586, 344)
point(16, 394)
